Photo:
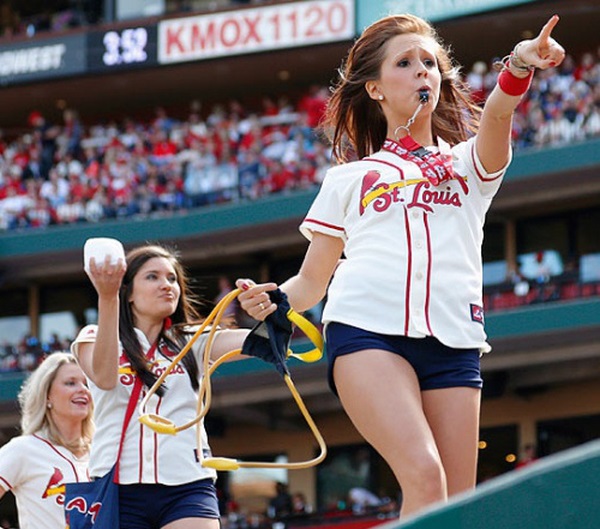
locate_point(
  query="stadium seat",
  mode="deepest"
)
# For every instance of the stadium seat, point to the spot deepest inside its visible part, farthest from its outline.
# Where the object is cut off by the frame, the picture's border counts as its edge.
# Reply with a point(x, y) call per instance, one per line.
point(529, 265)
point(494, 272)
point(589, 268)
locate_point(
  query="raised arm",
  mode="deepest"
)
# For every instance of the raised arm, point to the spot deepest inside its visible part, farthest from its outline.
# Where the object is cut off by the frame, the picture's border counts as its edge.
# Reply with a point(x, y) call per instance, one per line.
point(308, 287)
point(493, 138)
point(100, 360)
point(305, 289)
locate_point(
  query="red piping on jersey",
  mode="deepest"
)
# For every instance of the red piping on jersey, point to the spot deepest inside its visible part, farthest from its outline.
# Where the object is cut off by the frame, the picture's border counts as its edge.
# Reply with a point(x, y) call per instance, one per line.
point(54, 448)
point(387, 163)
point(428, 280)
point(409, 251)
point(156, 444)
point(325, 224)
point(141, 448)
point(8, 485)
point(479, 175)
point(409, 268)
point(408, 272)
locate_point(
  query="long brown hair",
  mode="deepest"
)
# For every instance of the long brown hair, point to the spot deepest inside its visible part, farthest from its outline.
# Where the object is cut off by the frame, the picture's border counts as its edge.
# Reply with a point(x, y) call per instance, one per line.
point(185, 314)
point(355, 121)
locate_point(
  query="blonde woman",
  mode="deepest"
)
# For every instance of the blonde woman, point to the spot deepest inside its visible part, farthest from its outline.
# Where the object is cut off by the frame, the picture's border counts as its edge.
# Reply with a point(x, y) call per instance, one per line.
point(57, 429)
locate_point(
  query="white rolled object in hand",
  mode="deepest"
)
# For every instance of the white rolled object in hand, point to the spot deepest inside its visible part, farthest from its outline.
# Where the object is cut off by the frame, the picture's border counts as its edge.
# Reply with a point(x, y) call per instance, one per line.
point(99, 248)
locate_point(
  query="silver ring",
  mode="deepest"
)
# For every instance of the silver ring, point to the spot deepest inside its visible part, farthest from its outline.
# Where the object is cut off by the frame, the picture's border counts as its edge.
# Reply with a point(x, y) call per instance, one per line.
point(262, 306)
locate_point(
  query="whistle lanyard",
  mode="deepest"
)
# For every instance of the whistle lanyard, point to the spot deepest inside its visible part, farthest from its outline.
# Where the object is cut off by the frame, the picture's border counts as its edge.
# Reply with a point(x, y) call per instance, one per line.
point(436, 168)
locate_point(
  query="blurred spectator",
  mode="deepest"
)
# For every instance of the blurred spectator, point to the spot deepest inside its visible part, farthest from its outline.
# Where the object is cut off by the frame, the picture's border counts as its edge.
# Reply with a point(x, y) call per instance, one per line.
point(229, 315)
point(71, 211)
point(251, 172)
point(281, 178)
point(45, 135)
point(56, 344)
point(520, 284)
point(33, 169)
point(546, 289)
point(13, 208)
point(528, 457)
point(476, 81)
point(314, 103)
point(162, 121)
point(72, 133)
point(299, 504)
point(361, 500)
point(280, 506)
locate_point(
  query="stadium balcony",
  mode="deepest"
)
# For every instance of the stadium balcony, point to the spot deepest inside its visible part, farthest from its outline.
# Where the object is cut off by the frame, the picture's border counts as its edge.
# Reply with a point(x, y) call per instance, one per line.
point(537, 178)
point(217, 235)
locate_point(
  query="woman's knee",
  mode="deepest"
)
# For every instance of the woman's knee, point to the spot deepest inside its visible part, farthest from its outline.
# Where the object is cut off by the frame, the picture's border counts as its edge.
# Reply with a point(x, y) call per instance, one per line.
point(424, 475)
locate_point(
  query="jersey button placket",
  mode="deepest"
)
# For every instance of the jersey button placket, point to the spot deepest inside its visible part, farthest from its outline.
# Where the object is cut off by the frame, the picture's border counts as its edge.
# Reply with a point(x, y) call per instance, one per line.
point(419, 262)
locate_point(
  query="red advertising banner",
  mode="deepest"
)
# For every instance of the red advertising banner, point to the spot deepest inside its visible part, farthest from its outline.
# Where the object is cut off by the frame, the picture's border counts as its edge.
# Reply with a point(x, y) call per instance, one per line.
point(257, 29)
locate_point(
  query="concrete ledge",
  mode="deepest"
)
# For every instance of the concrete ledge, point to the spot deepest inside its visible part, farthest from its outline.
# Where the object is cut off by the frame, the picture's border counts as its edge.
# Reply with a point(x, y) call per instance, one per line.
point(558, 492)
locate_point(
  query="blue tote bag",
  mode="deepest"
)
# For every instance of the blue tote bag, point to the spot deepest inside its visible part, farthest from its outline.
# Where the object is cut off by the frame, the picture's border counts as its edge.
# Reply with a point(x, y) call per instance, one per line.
point(95, 504)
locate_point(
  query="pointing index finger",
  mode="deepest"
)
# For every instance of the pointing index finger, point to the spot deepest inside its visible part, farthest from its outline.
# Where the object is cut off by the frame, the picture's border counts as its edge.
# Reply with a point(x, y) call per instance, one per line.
point(548, 27)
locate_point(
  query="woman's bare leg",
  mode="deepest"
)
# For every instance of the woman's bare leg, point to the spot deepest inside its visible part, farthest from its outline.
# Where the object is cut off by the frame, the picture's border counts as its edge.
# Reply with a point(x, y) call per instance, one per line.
point(453, 415)
point(381, 395)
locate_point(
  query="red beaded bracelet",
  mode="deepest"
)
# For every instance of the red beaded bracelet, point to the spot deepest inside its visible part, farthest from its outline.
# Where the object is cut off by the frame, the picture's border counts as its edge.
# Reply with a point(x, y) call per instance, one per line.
point(512, 85)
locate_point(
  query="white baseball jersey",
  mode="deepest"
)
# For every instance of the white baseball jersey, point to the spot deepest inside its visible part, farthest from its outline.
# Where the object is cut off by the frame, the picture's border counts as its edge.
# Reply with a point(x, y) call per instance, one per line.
point(147, 457)
point(413, 250)
point(36, 471)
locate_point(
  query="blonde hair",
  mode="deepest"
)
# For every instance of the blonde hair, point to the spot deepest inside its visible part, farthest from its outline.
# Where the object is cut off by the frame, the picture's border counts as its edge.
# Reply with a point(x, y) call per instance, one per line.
point(33, 399)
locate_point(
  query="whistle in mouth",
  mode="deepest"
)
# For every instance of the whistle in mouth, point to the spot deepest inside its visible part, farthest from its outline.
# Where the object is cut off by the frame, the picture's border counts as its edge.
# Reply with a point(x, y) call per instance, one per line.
point(423, 96)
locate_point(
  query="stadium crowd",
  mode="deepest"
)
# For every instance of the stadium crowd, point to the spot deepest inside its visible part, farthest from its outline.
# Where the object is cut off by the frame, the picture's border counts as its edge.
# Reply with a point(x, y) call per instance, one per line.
point(60, 174)
point(70, 172)
point(30, 19)
point(65, 173)
point(27, 353)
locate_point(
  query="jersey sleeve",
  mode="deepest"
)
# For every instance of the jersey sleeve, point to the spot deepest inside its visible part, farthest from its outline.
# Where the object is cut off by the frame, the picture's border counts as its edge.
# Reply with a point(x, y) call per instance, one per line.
point(326, 214)
point(10, 464)
point(86, 335)
point(487, 183)
point(199, 346)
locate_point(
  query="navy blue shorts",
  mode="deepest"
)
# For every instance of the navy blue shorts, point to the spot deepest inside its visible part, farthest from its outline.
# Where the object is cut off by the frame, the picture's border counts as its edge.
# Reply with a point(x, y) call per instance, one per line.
point(148, 506)
point(436, 365)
